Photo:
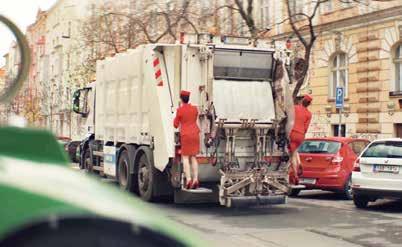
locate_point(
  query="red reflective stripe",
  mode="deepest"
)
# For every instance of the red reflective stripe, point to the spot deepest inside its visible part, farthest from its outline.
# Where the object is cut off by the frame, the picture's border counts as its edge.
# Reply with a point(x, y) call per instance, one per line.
point(160, 83)
point(156, 62)
point(158, 73)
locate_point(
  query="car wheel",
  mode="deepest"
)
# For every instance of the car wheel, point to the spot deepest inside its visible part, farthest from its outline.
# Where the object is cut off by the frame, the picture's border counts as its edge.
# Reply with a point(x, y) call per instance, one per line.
point(294, 192)
point(347, 190)
point(360, 201)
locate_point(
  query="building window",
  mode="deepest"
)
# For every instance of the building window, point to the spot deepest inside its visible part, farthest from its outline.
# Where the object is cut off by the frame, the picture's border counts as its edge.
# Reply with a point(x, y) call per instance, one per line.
point(326, 7)
point(398, 130)
point(398, 68)
point(296, 7)
point(265, 17)
point(339, 74)
point(349, 3)
point(335, 130)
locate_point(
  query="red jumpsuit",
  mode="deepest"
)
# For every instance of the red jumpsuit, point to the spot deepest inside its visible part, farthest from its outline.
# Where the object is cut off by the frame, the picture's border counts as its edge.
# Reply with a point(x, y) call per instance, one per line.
point(300, 127)
point(186, 118)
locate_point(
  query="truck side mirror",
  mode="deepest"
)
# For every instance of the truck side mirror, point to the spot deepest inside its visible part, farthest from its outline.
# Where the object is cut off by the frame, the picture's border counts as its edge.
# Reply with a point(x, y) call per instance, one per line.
point(80, 102)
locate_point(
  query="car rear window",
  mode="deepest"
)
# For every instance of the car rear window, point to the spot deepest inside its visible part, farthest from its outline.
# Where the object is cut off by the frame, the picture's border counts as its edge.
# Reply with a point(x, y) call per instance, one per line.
point(320, 147)
point(384, 150)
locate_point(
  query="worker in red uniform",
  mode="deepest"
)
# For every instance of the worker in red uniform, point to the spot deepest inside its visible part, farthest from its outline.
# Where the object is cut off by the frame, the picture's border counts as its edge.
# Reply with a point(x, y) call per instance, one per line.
point(186, 119)
point(300, 128)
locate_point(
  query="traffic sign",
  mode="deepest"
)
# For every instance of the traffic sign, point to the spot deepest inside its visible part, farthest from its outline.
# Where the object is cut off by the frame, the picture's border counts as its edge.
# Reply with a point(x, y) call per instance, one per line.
point(339, 98)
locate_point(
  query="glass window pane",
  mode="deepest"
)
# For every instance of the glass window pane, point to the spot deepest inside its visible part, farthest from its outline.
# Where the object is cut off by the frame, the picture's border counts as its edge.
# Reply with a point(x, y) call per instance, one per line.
point(334, 61)
point(342, 78)
point(334, 83)
point(342, 60)
point(384, 150)
point(399, 77)
point(399, 52)
point(320, 147)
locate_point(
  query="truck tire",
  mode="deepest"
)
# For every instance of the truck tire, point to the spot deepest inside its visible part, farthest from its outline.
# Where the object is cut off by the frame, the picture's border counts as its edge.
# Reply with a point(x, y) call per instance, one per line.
point(146, 175)
point(87, 162)
point(124, 177)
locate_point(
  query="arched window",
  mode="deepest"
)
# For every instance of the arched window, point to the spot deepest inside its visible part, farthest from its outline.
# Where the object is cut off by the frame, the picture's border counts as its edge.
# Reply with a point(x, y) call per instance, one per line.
point(398, 68)
point(339, 74)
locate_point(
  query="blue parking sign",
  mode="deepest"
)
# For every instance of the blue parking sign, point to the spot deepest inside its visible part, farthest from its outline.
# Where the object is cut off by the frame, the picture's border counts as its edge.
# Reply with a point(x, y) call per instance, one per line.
point(339, 98)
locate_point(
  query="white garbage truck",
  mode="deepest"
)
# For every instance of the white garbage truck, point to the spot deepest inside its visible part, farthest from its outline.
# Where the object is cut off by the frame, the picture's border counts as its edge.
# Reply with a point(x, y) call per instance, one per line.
point(243, 158)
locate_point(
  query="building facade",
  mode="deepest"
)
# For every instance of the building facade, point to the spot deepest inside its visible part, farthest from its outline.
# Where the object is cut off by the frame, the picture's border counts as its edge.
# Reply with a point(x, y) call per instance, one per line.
point(58, 63)
point(35, 87)
point(358, 48)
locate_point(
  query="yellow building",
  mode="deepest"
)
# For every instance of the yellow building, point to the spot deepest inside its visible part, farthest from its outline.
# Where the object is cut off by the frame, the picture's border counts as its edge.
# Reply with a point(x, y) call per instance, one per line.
point(359, 48)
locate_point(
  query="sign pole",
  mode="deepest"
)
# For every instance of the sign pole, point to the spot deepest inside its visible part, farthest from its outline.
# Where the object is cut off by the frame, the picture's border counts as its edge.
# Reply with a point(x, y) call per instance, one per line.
point(339, 102)
point(340, 123)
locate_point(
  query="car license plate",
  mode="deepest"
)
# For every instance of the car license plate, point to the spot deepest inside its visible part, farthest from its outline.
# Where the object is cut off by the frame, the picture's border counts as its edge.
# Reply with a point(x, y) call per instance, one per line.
point(386, 168)
point(307, 181)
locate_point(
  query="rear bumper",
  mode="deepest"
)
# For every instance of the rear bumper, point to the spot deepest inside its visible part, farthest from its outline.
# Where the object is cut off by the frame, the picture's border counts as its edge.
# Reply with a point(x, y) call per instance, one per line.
point(248, 201)
point(330, 181)
point(376, 187)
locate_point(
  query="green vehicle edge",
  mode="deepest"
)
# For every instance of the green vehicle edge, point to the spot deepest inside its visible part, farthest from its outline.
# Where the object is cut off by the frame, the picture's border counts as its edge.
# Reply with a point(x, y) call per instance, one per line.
point(24, 204)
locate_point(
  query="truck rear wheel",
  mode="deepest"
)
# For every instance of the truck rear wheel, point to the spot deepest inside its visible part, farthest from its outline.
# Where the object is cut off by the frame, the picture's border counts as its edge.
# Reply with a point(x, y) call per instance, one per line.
point(123, 172)
point(146, 176)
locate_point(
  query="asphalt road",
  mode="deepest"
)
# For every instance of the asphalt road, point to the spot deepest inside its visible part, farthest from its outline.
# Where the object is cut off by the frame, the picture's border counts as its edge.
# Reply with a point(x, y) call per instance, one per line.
point(315, 218)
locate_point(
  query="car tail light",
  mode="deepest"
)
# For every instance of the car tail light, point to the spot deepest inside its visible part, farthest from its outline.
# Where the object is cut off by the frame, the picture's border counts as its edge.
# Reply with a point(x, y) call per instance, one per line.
point(337, 160)
point(356, 166)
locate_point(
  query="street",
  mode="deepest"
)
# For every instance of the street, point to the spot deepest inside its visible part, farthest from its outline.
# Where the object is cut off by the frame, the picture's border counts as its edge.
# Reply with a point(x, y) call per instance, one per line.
point(314, 219)
point(237, 102)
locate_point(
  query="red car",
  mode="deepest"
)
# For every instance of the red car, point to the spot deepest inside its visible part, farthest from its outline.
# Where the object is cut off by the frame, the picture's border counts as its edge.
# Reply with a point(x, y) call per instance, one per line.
point(327, 164)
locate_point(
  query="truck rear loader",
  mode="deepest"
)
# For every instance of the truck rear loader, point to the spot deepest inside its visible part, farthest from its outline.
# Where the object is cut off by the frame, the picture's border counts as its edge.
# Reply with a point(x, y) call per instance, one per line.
point(130, 109)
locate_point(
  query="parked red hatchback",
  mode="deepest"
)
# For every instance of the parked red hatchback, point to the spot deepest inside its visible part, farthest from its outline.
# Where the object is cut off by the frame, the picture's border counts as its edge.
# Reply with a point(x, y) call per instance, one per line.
point(328, 162)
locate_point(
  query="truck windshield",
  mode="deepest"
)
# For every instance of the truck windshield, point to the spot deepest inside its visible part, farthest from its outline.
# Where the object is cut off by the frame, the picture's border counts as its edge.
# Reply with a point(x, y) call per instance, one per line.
point(243, 64)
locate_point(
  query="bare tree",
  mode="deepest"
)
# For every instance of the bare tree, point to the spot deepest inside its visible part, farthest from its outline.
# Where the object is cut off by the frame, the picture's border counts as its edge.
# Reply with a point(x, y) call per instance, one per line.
point(115, 27)
point(303, 27)
point(301, 23)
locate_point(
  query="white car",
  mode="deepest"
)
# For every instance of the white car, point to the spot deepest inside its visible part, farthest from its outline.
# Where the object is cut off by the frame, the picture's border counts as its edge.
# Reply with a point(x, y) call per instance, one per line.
point(377, 172)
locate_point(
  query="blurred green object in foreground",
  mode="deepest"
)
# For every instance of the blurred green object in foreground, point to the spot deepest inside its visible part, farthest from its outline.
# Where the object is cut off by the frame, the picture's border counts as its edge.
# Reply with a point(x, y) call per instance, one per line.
point(33, 145)
point(46, 203)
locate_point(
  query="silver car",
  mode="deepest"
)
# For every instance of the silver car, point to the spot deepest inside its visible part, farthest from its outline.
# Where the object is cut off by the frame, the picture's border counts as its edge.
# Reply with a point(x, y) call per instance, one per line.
point(377, 172)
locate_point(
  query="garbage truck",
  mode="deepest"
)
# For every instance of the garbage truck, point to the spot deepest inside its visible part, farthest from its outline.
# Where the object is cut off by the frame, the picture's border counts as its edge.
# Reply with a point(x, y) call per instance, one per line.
point(241, 101)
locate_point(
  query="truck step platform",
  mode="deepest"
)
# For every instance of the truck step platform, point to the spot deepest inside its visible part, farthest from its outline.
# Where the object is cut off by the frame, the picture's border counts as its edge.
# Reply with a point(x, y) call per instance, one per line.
point(199, 190)
point(200, 195)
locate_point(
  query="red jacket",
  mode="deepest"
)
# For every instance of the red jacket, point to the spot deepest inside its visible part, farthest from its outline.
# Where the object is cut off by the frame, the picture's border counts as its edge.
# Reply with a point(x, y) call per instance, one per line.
point(186, 118)
point(302, 119)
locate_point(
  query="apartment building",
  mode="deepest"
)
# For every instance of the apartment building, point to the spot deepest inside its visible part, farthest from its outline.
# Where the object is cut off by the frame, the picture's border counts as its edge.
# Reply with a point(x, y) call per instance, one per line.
point(359, 47)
